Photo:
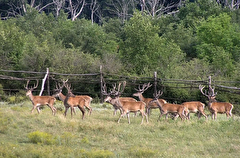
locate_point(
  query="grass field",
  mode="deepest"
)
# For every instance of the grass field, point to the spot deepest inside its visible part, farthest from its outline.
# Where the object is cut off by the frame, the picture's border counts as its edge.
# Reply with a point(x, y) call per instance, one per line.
point(23, 134)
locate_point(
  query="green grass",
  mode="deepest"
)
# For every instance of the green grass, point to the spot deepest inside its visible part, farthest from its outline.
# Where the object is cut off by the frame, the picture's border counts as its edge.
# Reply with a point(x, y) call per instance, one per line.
point(23, 134)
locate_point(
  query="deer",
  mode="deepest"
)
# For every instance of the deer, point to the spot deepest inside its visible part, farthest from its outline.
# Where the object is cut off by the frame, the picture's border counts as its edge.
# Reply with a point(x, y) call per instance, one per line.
point(115, 106)
point(40, 100)
point(214, 106)
point(126, 106)
point(62, 97)
point(149, 105)
point(194, 107)
point(168, 107)
point(72, 101)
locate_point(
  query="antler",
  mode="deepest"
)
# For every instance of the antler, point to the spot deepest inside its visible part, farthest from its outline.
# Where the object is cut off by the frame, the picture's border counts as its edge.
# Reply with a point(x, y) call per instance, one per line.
point(119, 90)
point(104, 89)
point(31, 88)
point(158, 94)
point(210, 92)
point(68, 86)
point(144, 87)
point(201, 87)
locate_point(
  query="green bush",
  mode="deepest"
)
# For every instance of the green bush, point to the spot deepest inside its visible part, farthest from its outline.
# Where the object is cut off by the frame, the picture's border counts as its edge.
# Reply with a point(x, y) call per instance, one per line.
point(17, 98)
point(38, 137)
point(12, 99)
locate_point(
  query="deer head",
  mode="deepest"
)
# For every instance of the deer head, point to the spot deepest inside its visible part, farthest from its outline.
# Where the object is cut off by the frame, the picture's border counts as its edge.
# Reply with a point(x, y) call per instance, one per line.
point(30, 89)
point(211, 95)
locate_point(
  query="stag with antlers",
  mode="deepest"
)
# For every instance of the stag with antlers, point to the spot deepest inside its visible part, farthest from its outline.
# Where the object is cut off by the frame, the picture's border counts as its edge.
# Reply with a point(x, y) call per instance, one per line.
point(168, 108)
point(62, 97)
point(214, 106)
point(40, 100)
point(125, 106)
point(149, 105)
point(73, 101)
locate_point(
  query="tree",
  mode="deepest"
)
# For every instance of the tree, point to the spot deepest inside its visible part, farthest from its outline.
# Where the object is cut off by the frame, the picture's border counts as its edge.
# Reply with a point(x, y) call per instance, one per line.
point(76, 8)
point(94, 6)
point(157, 8)
point(191, 13)
point(21, 7)
point(218, 39)
point(59, 4)
point(12, 40)
point(122, 8)
point(143, 51)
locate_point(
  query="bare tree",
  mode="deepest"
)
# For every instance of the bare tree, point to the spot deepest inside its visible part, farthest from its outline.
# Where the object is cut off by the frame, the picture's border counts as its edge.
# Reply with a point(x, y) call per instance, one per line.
point(234, 4)
point(75, 8)
point(157, 8)
point(93, 7)
point(122, 8)
point(20, 7)
point(59, 4)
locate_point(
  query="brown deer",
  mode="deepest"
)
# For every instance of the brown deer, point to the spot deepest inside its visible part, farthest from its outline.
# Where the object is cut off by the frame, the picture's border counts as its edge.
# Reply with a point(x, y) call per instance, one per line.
point(72, 101)
point(40, 100)
point(194, 107)
point(169, 108)
point(214, 106)
point(149, 105)
point(62, 97)
point(115, 106)
point(126, 106)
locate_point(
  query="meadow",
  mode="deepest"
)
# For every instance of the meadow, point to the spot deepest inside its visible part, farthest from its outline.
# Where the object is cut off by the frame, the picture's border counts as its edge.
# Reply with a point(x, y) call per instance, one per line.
point(26, 135)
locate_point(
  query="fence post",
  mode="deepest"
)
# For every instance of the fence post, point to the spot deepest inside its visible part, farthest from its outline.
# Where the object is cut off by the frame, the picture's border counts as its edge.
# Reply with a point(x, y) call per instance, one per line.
point(101, 84)
point(48, 84)
point(155, 83)
point(210, 90)
point(43, 82)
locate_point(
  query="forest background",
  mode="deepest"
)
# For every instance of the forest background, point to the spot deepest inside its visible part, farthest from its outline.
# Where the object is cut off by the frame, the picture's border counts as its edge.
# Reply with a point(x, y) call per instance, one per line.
point(188, 40)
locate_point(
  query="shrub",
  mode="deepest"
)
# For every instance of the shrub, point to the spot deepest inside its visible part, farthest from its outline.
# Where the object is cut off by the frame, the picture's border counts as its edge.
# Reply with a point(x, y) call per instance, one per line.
point(12, 99)
point(38, 137)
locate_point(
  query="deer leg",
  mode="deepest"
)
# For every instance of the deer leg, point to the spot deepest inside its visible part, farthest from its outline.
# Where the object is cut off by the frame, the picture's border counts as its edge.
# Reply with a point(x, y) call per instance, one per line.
point(230, 112)
point(38, 109)
point(52, 108)
point(142, 113)
point(166, 117)
point(87, 105)
point(147, 111)
point(214, 115)
point(82, 110)
point(181, 116)
point(89, 110)
point(34, 107)
point(204, 114)
point(121, 116)
point(128, 117)
point(161, 116)
point(66, 109)
point(146, 117)
point(72, 109)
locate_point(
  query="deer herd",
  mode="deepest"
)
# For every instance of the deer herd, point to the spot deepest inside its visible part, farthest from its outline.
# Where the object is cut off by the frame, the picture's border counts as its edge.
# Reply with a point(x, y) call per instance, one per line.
point(129, 104)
